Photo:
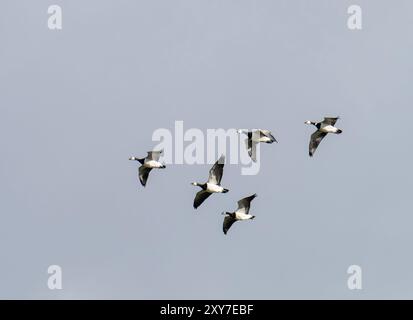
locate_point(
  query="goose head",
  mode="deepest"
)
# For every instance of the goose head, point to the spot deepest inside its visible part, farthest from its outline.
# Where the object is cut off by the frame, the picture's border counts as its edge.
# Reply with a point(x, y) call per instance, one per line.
point(137, 159)
point(311, 122)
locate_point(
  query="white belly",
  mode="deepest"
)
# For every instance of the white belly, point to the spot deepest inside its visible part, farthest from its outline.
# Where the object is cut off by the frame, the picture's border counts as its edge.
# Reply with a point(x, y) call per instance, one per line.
point(328, 129)
point(265, 139)
point(213, 188)
point(260, 139)
point(152, 164)
point(242, 216)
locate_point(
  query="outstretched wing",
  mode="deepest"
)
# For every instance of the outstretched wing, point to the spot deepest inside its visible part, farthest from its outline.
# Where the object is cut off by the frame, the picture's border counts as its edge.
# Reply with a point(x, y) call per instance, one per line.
point(154, 155)
point(143, 174)
point(244, 204)
point(315, 140)
point(228, 222)
point(330, 121)
point(200, 197)
point(215, 174)
point(248, 144)
point(251, 148)
point(268, 134)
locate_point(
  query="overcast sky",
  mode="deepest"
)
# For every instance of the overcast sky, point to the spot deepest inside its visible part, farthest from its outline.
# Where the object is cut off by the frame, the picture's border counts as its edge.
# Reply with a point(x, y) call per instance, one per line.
point(75, 104)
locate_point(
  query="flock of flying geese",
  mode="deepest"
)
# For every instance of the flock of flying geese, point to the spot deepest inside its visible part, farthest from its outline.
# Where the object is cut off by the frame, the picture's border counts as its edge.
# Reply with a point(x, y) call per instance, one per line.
point(213, 185)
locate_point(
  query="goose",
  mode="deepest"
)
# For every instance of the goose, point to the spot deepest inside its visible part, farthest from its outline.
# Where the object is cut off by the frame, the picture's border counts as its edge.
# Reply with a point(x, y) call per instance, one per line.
point(213, 185)
point(255, 137)
point(323, 128)
point(242, 213)
point(150, 162)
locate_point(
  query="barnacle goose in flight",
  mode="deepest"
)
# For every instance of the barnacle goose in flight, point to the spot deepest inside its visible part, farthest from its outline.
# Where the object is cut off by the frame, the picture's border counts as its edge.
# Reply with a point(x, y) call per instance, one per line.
point(213, 185)
point(255, 137)
point(150, 162)
point(323, 128)
point(242, 213)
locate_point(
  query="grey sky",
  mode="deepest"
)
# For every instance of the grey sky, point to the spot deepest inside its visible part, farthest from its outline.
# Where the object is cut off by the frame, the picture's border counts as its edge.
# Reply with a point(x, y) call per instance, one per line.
point(76, 103)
